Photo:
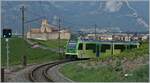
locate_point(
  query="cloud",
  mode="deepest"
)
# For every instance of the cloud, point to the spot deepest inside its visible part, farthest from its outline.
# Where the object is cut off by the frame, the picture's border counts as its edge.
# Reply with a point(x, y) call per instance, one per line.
point(134, 14)
point(113, 6)
point(139, 20)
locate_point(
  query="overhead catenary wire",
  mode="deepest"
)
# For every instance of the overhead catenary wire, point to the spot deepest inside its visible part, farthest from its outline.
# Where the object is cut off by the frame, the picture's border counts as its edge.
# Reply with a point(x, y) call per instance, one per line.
point(65, 23)
point(59, 35)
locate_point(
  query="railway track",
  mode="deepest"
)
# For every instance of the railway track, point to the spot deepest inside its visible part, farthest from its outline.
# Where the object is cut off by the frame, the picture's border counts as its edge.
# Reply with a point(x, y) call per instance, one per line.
point(40, 73)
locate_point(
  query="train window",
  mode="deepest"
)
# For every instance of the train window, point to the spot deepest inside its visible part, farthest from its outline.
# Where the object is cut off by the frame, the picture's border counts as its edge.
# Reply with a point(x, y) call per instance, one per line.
point(104, 47)
point(72, 45)
point(90, 46)
point(121, 47)
point(80, 46)
point(133, 46)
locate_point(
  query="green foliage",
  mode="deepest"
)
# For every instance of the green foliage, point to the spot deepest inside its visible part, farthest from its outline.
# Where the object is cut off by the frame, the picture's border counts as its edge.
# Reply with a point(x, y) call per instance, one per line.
point(18, 48)
point(140, 74)
point(118, 65)
point(104, 73)
point(80, 74)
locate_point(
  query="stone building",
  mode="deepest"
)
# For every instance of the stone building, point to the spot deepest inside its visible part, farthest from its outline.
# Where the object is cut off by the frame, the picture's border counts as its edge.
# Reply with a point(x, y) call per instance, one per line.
point(47, 32)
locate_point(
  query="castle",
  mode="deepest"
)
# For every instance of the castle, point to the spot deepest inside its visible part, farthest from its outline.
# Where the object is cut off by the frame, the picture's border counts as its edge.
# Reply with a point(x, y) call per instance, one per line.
point(47, 32)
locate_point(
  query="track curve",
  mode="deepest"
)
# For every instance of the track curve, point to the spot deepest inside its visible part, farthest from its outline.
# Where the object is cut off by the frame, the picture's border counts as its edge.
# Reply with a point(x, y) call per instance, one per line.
point(39, 74)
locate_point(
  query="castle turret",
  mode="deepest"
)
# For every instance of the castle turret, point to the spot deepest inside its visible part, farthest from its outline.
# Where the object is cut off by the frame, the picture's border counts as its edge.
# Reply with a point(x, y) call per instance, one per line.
point(45, 26)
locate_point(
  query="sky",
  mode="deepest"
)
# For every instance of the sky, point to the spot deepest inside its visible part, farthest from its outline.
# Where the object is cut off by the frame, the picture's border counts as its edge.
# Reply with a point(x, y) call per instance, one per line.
point(79, 15)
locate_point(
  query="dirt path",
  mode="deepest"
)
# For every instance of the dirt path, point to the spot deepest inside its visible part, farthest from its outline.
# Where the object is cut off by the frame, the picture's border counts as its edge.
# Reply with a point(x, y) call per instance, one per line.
point(19, 76)
point(45, 47)
point(22, 74)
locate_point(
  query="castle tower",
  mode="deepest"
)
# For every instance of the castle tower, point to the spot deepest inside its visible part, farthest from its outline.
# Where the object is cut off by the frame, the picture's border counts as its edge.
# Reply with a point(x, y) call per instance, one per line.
point(45, 26)
point(44, 22)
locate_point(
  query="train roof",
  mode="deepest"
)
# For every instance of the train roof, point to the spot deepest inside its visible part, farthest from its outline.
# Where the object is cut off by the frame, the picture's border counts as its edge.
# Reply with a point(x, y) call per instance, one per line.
point(107, 41)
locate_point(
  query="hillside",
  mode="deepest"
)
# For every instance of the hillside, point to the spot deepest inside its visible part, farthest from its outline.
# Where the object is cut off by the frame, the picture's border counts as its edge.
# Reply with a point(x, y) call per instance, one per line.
point(18, 48)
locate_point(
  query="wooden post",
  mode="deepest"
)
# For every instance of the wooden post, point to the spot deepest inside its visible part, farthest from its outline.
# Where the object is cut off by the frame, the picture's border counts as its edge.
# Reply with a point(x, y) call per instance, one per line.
point(95, 31)
point(59, 36)
point(24, 60)
point(23, 35)
point(2, 75)
point(22, 12)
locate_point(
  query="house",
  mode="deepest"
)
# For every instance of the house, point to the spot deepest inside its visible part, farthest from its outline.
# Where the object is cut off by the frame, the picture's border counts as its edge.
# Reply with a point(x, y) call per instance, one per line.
point(100, 36)
point(47, 32)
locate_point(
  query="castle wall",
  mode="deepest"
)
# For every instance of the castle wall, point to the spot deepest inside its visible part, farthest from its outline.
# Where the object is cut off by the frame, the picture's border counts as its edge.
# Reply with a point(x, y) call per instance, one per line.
point(48, 36)
point(47, 33)
point(53, 36)
point(39, 36)
point(65, 36)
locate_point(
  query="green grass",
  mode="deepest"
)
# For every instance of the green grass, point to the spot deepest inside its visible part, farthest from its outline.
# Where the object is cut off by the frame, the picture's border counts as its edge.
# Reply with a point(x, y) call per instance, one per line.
point(140, 74)
point(79, 74)
point(52, 43)
point(18, 48)
point(108, 54)
point(103, 74)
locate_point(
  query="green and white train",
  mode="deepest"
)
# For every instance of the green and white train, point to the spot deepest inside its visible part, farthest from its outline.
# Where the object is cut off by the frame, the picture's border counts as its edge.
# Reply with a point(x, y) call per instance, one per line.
point(85, 48)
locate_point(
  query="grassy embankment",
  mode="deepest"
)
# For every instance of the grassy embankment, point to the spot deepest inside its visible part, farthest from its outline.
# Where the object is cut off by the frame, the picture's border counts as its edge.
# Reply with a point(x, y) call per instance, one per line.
point(133, 63)
point(52, 43)
point(18, 48)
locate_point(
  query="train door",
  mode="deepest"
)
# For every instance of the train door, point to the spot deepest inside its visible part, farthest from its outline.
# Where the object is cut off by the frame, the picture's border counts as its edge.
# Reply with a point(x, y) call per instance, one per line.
point(97, 50)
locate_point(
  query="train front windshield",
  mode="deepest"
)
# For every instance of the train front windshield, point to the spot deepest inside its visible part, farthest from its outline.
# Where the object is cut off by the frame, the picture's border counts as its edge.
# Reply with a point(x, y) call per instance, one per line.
point(71, 45)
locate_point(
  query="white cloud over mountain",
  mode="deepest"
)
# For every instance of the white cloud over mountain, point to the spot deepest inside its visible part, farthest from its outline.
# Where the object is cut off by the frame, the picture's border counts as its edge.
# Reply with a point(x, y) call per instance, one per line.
point(139, 20)
point(113, 6)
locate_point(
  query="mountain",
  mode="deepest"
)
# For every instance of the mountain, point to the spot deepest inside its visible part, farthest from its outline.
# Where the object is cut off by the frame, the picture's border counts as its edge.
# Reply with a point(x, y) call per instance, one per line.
point(119, 16)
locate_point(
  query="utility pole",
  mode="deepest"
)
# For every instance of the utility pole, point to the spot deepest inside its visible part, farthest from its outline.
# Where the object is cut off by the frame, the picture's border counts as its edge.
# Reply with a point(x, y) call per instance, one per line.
point(22, 11)
point(95, 26)
point(7, 48)
point(23, 36)
point(59, 35)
